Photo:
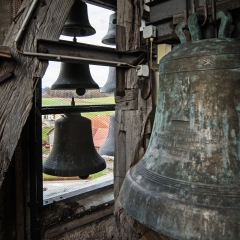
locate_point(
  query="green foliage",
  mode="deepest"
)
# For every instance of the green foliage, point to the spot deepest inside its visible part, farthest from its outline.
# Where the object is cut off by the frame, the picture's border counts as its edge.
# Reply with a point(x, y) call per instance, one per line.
point(98, 174)
point(44, 133)
point(48, 176)
point(93, 114)
point(92, 176)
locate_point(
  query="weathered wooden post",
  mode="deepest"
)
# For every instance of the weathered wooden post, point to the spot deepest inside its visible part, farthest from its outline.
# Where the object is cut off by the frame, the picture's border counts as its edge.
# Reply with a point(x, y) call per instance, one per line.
point(132, 112)
point(17, 92)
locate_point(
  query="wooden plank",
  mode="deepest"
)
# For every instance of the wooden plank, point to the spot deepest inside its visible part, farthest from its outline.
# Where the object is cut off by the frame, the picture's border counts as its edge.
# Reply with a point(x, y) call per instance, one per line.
point(20, 220)
point(5, 18)
point(16, 95)
point(16, 7)
point(120, 82)
point(127, 102)
point(78, 222)
point(120, 155)
point(131, 124)
point(170, 7)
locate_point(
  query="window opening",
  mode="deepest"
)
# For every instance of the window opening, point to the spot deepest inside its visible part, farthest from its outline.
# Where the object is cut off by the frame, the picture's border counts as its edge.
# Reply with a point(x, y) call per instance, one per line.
point(96, 105)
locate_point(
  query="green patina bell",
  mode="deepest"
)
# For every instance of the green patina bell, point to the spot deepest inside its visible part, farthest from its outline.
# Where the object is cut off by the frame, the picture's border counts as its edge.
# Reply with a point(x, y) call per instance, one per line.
point(187, 185)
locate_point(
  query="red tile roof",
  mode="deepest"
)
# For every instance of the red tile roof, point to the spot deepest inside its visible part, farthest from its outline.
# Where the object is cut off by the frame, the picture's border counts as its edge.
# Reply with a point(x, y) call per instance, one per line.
point(99, 129)
point(100, 121)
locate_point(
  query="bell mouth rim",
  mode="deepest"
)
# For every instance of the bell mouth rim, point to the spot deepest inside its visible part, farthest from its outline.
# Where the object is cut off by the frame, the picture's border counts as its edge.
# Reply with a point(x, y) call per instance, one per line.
point(99, 168)
point(73, 86)
point(165, 190)
point(213, 189)
point(72, 30)
point(107, 90)
point(73, 172)
point(156, 212)
point(109, 41)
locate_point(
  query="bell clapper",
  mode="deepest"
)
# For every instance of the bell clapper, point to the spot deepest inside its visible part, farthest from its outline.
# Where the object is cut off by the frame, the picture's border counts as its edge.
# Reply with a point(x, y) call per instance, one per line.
point(80, 91)
point(74, 38)
point(72, 102)
point(84, 177)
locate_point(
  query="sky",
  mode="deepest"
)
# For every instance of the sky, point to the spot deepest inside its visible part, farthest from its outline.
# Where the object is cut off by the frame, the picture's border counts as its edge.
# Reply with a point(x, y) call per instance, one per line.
point(99, 19)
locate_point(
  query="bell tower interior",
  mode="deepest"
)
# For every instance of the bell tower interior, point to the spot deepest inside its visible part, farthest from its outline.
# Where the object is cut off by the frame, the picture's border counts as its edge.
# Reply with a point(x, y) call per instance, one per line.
point(120, 119)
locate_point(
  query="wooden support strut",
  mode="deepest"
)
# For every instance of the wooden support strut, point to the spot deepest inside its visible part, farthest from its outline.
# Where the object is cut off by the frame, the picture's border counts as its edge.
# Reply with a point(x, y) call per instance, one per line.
point(25, 71)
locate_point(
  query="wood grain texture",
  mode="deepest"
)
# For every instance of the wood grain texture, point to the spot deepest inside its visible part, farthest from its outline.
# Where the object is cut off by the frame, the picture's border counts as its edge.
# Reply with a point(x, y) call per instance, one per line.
point(20, 220)
point(49, 234)
point(127, 102)
point(101, 229)
point(131, 118)
point(17, 93)
point(5, 18)
point(132, 121)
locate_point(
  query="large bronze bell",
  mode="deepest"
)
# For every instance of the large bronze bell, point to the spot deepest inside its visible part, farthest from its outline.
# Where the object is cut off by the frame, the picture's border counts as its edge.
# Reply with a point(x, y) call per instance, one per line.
point(110, 37)
point(110, 85)
point(187, 185)
point(73, 152)
point(108, 146)
point(77, 23)
point(74, 76)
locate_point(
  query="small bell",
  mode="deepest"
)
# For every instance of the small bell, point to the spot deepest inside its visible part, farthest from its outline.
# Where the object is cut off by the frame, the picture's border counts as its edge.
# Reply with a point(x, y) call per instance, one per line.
point(77, 23)
point(110, 37)
point(110, 85)
point(74, 76)
point(108, 146)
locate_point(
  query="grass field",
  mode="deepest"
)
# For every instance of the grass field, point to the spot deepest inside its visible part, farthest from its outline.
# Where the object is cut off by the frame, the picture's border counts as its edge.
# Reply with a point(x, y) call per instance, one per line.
point(78, 101)
point(92, 176)
point(93, 114)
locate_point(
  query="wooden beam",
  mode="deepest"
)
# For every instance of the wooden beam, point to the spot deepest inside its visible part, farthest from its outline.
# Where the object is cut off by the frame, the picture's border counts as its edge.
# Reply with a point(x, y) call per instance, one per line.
point(173, 14)
point(129, 101)
point(49, 234)
point(132, 111)
point(5, 18)
point(20, 216)
point(16, 95)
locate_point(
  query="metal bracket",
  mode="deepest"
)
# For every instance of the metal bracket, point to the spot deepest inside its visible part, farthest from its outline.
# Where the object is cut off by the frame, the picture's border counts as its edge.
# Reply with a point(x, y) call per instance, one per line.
point(87, 53)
